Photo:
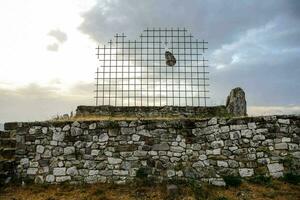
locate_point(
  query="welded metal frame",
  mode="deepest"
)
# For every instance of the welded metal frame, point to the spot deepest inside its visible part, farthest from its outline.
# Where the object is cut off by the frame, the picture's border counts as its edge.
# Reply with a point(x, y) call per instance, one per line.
point(135, 73)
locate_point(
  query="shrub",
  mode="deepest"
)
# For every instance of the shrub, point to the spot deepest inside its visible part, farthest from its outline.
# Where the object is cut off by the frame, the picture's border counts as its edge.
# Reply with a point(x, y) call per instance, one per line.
point(222, 198)
point(233, 181)
point(197, 189)
point(142, 173)
point(292, 178)
point(261, 180)
point(142, 177)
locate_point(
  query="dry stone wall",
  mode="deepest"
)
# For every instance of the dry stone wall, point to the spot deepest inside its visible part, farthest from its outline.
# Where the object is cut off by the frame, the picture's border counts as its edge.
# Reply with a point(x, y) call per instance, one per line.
point(115, 151)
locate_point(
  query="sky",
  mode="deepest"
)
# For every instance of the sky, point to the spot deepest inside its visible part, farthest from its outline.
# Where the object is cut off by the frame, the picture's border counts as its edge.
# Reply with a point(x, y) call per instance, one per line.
point(48, 57)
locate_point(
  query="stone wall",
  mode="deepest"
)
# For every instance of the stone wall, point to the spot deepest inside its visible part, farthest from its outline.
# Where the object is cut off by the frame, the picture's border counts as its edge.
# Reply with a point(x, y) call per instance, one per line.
point(7, 157)
point(115, 151)
point(143, 111)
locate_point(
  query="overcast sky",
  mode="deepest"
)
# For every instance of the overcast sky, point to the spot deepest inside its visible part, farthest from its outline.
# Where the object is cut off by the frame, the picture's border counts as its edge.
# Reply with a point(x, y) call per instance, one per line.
point(48, 49)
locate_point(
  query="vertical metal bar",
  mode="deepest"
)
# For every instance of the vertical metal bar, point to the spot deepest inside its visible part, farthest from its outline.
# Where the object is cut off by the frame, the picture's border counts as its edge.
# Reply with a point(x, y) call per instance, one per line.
point(172, 35)
point(141, 74)
point(109, 90)
point(184, 50)
point(135, 73)
point(191, 67)
point(128, 74)
point(116, 78)
point(147, 42)
point(160, 66)
point(97, 90)
point(204, 83)
point(122, 99)
point(198, 85)
point(104, 66)
point(153, 67)
point(166, 72)
point(179, 72)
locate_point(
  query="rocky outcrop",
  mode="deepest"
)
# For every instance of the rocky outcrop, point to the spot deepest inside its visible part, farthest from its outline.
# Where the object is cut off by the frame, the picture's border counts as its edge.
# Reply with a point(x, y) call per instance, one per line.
point(236, 102)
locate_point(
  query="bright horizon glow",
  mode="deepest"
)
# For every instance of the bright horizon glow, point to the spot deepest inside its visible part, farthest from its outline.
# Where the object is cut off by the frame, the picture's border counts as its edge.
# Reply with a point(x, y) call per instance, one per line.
point(48, 60)
point(25, 58)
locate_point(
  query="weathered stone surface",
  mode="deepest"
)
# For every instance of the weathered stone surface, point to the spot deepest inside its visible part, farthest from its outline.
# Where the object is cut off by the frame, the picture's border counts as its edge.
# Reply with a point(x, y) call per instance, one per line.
point(246, 133)
point(258, 137)
point(198, 149)
point(75, 131)
point(281, 146)
point(284, 121)
point(59, 171)
point(50, 178)
point(61, 179)
point(221, 163)
point(275, 167)
point(234, 135)
point(114, 161)
point(66, 127)
point(58, 136)
point(217, 144)
point(246, 172)
point(69, 150)
point(160, 147)
point(236, 102)
point(32, 171)
point(40, 149)
point(128, 131)
point(92, 126)
point(72, 171)
point(103, 137)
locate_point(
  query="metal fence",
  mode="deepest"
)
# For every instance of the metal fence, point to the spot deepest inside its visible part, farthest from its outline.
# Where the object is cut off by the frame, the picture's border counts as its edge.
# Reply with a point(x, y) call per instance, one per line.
point(162, 67)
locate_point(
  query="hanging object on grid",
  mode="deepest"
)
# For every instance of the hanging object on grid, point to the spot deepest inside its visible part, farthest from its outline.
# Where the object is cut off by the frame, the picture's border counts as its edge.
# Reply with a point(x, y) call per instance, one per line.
point(170, 58)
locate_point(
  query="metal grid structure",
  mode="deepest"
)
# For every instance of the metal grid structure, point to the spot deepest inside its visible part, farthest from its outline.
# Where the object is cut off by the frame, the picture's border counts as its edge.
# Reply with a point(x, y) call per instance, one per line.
point(135, 73)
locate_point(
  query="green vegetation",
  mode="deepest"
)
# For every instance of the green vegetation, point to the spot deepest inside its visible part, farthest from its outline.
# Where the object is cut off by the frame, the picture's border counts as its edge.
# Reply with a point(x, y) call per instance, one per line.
point(232, 181)
point(261, 180)
point(292, 178)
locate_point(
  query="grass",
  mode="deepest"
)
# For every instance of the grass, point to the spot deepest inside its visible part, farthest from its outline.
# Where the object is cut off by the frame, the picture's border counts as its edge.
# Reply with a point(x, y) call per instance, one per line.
point(278, 191)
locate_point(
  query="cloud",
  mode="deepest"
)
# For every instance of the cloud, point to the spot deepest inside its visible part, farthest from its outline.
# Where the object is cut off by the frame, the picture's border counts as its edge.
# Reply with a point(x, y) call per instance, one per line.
point(273, 110)
point(58, 35)
point(60, 38)
point(252, 44)
point(36, 102)
point(52, 47)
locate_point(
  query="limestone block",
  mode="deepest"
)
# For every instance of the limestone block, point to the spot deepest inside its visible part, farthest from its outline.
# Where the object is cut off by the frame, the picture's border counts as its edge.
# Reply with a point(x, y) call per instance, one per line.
point(66, 127)
point(280, 146)
point(160, 147)
point(58, 136)
point(114, 161)
point(284, 121)
point(69, 150)
point(275, 167)
point(72, 171)
point(217, 144)
point(32, 171)
point(61, 171)
point(103, 137)
point(50, 178)
point(60, 179)
point(221, 163)
point(246, 172)
point(234, 135)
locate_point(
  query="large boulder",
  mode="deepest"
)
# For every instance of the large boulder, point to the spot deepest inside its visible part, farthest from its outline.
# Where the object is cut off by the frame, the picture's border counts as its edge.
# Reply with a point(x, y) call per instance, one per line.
point(236, 102)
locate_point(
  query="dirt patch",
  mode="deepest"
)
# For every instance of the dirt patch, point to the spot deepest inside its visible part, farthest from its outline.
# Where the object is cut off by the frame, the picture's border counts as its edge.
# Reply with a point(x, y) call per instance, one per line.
point(277, 191)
